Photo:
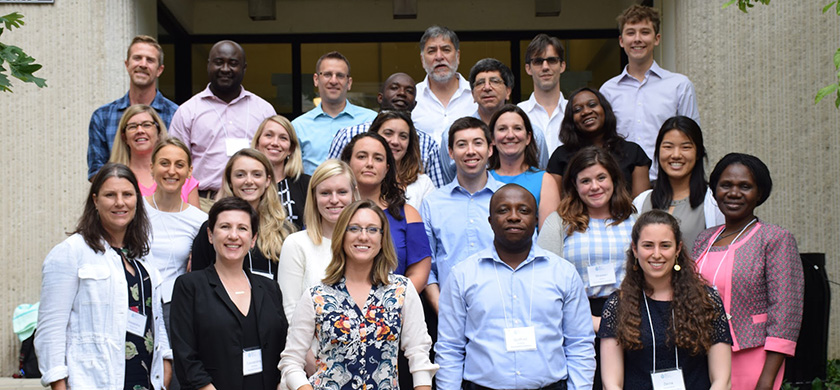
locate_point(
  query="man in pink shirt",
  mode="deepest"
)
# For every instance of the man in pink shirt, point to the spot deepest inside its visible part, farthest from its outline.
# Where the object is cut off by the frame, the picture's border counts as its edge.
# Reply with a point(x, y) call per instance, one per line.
point(221, 119)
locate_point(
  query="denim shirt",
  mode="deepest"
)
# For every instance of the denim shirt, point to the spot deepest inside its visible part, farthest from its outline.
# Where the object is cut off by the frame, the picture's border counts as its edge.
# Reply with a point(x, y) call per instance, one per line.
point(83, 317)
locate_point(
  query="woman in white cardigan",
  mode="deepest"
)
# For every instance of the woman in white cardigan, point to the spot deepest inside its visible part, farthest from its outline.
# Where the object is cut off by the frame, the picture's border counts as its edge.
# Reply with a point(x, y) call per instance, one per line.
point(681, 187)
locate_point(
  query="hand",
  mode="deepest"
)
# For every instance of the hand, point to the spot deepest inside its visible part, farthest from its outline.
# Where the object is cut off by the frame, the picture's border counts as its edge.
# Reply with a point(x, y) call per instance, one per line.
point(167, 372)
point(422, 387)
point(60, 384)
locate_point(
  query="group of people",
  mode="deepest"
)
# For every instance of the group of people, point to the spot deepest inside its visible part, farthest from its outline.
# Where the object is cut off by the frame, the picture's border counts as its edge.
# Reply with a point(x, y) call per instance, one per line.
point(451, 238)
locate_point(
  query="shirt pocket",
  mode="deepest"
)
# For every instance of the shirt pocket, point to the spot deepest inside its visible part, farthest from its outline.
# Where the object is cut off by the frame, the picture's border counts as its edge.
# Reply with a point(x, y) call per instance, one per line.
point(94, 299)
point(89, 363)
point(759, 318)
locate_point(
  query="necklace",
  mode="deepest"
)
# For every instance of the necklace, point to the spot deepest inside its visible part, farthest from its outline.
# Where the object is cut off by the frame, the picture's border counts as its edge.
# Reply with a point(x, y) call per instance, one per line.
point(733, 232)
point(180, 205)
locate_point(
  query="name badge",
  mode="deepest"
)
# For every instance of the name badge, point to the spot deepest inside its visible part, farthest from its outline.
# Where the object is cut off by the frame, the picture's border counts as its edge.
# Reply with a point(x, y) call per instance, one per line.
point(520, 339)
point(668, 380)
point(233, 145)
point(600, 275)
point(263, 274)
point(251, 361)
point(136, 323)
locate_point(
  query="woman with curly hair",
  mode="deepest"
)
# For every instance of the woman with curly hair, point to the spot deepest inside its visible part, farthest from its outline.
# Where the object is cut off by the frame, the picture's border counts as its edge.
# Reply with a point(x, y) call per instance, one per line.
point(589, 120)
point(664, 323)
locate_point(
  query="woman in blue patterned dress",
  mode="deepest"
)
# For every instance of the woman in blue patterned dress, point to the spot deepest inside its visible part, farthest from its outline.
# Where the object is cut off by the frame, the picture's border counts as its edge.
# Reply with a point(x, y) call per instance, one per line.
point(361, 315)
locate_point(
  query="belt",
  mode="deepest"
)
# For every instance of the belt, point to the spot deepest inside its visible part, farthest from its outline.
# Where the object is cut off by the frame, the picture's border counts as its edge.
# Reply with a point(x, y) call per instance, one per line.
point(559, 385)
point(209, 194)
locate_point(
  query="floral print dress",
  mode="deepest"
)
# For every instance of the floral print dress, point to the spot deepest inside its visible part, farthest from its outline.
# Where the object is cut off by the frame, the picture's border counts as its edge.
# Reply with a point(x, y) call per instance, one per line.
point(138, 350)
point(358, 348)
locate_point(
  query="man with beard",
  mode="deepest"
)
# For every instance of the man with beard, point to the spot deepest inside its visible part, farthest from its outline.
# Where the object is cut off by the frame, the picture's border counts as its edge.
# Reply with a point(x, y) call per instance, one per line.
point(397, 93)
point(544, 61)
point(444, 95)
point(514, 315)
point(144, 64)
point(220, 120)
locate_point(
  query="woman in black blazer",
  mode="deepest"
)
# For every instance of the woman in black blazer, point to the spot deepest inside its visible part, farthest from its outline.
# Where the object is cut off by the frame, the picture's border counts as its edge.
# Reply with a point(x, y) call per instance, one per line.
point(228, 326)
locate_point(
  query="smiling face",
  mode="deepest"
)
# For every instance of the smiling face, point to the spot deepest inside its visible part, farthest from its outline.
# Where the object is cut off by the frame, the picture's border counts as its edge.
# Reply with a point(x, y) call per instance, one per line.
point(440, 59)
point(513, 218)
point(638, 40)
point(116, 203)
point(226, 67)
point(657, 251)
point(171, 169)
point(587, 112)
point(510, 135)
point(595, 188)
point(362, 247)
point(396, 132)
point(489, 90)
point(232, 236)
point(141, 133)
point(470, 151)
point(275, 143)
point(545, 74)
point(249, 180)
point(332, 196)
point(399, 93)
point(677, 155)
point(333, 80)
point(737, 194)
point(368, 162)
point(143, 64)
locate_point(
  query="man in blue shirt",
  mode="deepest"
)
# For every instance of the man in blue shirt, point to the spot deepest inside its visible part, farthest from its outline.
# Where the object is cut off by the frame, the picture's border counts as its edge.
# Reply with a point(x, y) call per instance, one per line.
point(455, 215)
point(144, 64)
point(514, 316)
point(316, 128)
point(397, 93)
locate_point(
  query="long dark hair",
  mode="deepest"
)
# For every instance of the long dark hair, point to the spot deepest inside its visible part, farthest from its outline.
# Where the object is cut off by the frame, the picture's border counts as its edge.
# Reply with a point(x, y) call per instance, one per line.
point(663, 193)
point(410, 166)
point(531, 151)
point(575, 139)
point(136, 240)
point(390, 190)
point(691, 301)
point(572, 209)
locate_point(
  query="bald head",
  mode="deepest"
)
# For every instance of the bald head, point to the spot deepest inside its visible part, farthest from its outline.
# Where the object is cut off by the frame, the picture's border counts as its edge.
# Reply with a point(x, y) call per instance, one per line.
point(397, 93)
point(513, 218)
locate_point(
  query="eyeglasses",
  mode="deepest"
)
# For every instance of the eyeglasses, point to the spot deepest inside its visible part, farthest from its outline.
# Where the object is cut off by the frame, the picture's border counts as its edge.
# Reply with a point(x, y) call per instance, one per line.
point(146, 125)
point(539, 61)
point(494, 81)
point(329, 75)
point(371, 230)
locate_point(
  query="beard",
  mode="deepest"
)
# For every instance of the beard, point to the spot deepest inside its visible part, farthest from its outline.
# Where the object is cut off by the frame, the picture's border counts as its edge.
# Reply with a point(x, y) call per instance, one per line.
point(442, 78)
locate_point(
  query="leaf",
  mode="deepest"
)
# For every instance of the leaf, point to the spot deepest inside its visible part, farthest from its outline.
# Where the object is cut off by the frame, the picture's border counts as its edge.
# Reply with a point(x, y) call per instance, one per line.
point(824, 91)
point(837, 58)
point(5, 84)
point(728, 3)
point(837, 102)
point(826, 8)
point(11, 20)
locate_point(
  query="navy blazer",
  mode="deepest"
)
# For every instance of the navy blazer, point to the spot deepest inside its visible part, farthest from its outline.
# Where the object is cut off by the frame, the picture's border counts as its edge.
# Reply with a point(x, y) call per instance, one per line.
point(207, 330)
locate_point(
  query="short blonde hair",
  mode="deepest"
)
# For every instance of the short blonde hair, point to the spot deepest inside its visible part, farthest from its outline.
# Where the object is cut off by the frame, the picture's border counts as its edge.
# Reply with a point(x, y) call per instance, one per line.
point(311, 215)
point(120, 152)
point(294, 163)
point(274, 227)
point(384, 262)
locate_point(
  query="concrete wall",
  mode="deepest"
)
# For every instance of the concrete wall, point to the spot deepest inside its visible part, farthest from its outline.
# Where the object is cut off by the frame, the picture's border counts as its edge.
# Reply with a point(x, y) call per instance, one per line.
point(756, 76)
point(43, 133)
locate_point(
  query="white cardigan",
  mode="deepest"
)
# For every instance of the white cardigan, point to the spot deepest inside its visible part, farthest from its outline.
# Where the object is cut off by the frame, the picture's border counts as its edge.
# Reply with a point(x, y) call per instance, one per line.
point(83, 315)
point(711, 212)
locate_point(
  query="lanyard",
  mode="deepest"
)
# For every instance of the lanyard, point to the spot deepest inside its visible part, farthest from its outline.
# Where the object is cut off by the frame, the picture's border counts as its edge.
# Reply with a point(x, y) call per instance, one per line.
point(251, 264)
point(169, 262)
point(224, 125)
point(728, 247)
point(653, 334)
point(502, 295)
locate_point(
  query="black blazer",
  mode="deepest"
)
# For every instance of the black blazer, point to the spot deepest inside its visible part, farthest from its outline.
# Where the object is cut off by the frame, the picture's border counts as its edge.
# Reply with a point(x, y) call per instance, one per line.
point(207, 331)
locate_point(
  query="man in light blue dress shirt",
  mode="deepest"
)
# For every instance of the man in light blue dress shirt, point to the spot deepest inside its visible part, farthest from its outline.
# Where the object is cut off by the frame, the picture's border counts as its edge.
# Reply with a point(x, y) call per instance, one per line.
point(644, 95)
point(316, 128)
point(514, 316)
point(455, 215)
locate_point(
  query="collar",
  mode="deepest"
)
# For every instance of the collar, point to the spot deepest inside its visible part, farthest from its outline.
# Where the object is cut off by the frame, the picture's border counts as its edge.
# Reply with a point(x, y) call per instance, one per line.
point(654, 70)
point(349, 109)
point(463, 85)
point(536, 253)
point(531, 103)
point(491, 185)
point(208, 94)
point(157, 103)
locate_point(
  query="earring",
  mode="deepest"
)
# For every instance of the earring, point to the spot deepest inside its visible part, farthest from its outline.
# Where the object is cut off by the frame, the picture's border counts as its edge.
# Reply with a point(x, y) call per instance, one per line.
point(677, 267)
point(636, 265)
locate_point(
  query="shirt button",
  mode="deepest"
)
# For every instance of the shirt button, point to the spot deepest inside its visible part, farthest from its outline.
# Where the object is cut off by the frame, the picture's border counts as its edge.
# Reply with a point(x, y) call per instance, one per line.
point(472, 221)
point(516, 321)
point(514, 296)
point(472, 244)
point(518, 373)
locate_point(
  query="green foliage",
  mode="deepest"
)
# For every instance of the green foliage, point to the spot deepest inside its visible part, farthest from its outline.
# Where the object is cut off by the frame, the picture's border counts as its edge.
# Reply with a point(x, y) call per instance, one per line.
point(833, 88)
point(20, 65)
point(831, 382)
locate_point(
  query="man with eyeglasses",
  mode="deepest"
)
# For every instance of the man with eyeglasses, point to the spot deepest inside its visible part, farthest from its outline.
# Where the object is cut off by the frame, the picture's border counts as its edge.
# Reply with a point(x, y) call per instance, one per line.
point(144, 64)
point(546, 106)
point(444, 95)
point(317, 127)
point(220, 120)
point(492, 82)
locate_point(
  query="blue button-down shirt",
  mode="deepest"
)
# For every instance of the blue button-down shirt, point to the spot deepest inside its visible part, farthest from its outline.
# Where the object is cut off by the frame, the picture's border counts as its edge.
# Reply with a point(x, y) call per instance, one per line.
point(456, 223)
point(104, 123)
point(641, 107)
point(316, 129)
point(483, 296)
point(428, 149)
